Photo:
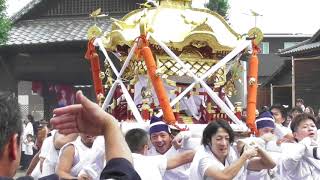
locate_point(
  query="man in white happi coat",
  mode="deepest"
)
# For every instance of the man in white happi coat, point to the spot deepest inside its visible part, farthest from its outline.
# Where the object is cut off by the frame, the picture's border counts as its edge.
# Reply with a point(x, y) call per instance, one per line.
point(72, 156)
point(301, 160)
point(50, 152)
point(265, 124)
point(161, 139)
point(152, 167)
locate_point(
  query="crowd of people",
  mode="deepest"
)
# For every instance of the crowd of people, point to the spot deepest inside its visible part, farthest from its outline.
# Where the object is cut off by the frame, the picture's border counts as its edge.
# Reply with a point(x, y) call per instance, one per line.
point(86, 142)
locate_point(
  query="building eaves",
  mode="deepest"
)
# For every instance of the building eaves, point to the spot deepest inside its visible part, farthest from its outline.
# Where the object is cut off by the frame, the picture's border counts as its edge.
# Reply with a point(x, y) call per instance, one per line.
point(315, 37)
point(307, 45)
point(301, 49)
point(286, 35)
point(267, 80)
point(46, 31)
point(282, 51)
point(25, 10)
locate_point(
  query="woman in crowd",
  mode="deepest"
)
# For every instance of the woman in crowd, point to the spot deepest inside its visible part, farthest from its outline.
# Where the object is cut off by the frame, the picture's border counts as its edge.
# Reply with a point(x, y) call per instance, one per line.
point(309, 110)
point(216, 158)
point(283, 133)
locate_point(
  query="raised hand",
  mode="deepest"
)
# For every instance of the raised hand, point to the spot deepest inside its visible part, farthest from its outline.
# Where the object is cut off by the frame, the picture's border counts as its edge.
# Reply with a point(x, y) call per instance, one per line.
point(86, 117)
point(177, 141)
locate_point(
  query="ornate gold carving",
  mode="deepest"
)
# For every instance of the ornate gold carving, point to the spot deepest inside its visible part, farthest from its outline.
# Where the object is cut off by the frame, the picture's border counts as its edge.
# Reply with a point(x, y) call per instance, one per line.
point(218, 78)
point(191, 54)
point(203, 27)
point(176, 3)
point(94, 31)
point(121, 25)
point(96, 13)
point(199, 44)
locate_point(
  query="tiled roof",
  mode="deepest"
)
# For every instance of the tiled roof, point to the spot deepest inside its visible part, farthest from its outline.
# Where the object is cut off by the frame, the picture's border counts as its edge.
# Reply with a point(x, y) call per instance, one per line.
point(305, 46)
point(43, 31)
point(301, 49)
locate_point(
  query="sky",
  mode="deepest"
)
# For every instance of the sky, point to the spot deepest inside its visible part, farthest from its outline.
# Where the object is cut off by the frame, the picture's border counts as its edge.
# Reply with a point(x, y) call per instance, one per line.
point(278, 16)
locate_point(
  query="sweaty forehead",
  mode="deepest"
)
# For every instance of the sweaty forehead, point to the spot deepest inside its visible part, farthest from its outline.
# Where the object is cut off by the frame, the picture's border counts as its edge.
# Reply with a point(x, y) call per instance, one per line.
point(275, 110)
point(221, 133)
point(159, 133)
point(306, 122)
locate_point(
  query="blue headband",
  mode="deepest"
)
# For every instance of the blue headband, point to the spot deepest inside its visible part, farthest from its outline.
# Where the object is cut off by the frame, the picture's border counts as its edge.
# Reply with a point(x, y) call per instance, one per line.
point(264, 120)
point(157, 125)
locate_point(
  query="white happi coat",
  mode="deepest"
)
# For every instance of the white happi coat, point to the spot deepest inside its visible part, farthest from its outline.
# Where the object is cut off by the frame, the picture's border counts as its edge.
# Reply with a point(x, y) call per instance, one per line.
point(81, 152)
point(178, 173)
point(95, 159)
point(204, 158)
point(51, 155)
point(296, 164)
point(150, 167)
point(280, 131)
point(274, 152)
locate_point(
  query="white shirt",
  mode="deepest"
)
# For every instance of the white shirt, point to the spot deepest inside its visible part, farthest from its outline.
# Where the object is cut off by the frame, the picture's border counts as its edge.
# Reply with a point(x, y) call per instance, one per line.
point(258, 175)
point(89, 161)
point(280, 131)
point(28, 148)
point(274, 151)
point(45, 147)
point(36, 173)
point(81, 153)
point(98, 158)
point(27, 130)
point(204, 159)
point(178, 173)
point(295, 164)
point(51, 156)
point(150, 167)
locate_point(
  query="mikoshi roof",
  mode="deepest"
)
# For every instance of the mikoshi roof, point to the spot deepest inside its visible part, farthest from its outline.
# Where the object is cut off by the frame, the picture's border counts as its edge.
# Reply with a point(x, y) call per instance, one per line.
point(176, 26)
point(199, 37)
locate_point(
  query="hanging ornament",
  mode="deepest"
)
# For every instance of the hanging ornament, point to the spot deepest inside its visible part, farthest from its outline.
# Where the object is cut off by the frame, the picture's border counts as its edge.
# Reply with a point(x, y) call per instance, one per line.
point(256, 34)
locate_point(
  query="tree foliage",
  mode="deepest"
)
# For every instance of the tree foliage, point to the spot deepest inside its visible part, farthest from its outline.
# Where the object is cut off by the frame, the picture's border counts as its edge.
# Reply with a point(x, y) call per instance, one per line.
point(219, 6)
point(4, 22)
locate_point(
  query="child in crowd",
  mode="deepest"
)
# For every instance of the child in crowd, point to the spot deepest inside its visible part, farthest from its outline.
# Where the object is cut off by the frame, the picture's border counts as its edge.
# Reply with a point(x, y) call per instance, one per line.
point(29, 144)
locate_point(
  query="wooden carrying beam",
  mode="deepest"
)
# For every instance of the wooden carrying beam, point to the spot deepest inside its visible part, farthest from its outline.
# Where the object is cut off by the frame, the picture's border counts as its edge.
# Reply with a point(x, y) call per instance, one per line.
point(157, 83)
point(252, 89)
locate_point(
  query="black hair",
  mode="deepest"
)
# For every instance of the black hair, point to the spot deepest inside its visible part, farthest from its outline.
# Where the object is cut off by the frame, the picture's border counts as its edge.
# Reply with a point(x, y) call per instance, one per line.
point(10, 118)
point(311, 110)
point(29, 135)
point(213, 128)
point(300, 101)
point(298, 109)
point(265, 108)
point(300, 118)
point(30, 118)
point(136, 139)
point(281, 109)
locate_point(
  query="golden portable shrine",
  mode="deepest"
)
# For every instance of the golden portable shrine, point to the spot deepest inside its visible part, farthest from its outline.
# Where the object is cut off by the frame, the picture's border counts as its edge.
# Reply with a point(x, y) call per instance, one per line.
point(178, 62)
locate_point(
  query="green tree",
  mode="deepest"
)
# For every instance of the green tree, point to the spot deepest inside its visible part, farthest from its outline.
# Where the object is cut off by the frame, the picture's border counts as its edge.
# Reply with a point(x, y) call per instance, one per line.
point(4, 22)
point(219, 6)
